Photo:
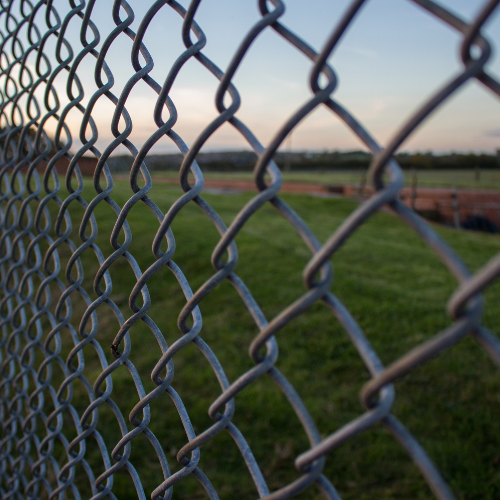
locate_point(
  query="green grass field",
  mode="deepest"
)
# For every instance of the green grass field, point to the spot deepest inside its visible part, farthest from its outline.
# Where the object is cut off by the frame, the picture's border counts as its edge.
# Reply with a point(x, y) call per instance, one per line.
point(394, 286)
point(488, 179)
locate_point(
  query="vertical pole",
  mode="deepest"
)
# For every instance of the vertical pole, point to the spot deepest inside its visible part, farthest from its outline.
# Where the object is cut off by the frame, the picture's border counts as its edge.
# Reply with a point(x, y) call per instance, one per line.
point(414, 181)
point(456, 208)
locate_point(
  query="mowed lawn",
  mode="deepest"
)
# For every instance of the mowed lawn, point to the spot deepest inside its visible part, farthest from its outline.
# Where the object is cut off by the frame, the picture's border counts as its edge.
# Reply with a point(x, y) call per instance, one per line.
point(488, 179)
point(394, 286)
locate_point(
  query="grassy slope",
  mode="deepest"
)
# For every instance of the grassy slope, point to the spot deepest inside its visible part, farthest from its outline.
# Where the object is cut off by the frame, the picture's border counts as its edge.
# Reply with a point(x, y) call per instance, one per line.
point(394, 286)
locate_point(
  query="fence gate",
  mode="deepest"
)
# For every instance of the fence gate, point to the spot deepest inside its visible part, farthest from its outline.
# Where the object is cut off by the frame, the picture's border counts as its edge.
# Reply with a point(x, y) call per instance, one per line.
point(58, 304)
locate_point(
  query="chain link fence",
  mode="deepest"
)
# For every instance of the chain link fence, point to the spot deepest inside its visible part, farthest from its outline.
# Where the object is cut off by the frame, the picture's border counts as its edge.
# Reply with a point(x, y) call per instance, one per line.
point(52, 447)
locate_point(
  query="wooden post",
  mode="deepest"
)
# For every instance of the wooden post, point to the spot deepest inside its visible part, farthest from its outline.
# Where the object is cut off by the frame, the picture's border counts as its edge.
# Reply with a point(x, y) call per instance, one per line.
point(456, 208)
point(414, 181)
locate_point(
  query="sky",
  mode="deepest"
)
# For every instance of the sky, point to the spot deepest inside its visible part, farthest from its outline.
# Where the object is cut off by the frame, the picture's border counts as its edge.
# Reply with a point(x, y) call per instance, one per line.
point(391, 60)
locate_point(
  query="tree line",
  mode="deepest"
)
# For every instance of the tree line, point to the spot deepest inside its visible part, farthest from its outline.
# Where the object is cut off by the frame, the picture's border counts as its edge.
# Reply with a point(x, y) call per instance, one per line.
point(242, 161)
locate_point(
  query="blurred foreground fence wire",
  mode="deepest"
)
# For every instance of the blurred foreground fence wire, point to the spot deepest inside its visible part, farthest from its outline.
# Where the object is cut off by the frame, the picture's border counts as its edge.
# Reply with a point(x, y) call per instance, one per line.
point(38, 418)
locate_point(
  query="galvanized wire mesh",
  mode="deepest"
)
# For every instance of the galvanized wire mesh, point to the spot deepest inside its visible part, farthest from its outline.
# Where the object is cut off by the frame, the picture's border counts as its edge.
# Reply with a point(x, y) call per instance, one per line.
point(38, 417)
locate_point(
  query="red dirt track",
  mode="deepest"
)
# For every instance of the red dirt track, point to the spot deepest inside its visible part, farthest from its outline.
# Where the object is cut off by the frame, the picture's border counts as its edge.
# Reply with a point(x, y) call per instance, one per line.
point(441, 204)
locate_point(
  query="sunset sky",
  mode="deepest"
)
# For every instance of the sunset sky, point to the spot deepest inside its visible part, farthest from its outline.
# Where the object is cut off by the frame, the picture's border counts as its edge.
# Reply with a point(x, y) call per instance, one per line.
point(392, 58)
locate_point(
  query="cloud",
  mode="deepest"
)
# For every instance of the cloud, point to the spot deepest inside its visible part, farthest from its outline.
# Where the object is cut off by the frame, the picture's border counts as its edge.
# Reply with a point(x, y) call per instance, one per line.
point(492, 133)
point(363, 52)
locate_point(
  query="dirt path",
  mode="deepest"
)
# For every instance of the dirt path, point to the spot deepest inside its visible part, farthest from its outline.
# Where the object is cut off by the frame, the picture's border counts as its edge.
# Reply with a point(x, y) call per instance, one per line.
point(440, 204)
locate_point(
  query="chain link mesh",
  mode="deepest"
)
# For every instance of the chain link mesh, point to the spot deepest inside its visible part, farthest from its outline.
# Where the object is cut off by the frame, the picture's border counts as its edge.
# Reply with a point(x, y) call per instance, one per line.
point(45, 305)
